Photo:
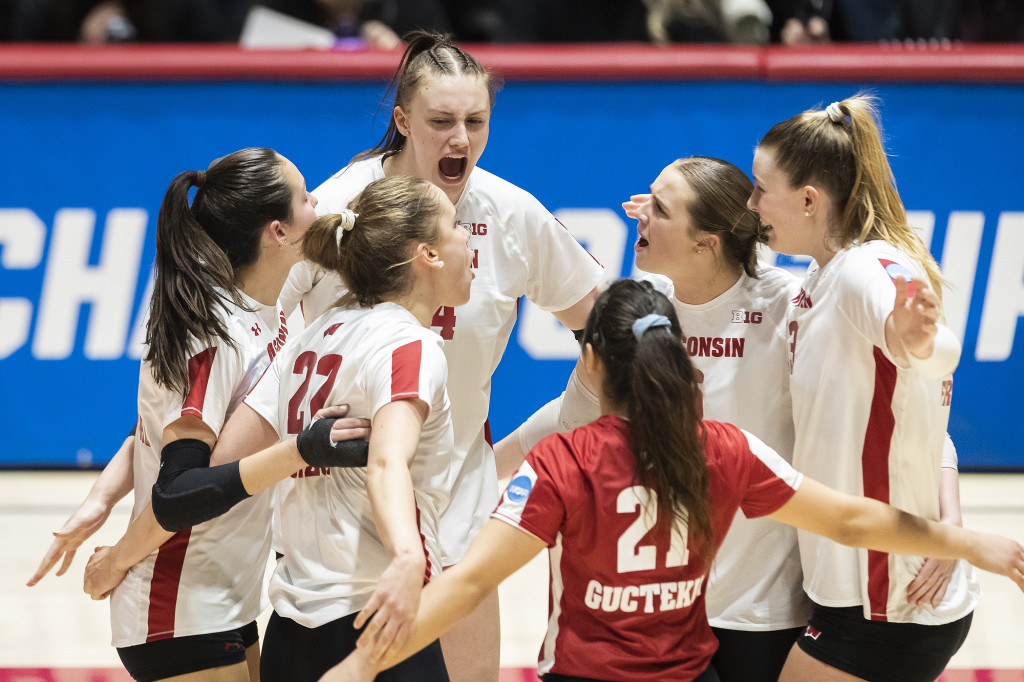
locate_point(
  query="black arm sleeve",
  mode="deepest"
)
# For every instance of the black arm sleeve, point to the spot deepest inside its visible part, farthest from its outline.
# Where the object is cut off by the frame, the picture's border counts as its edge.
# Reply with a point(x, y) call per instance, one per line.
point(315, 447)
point(188, 491)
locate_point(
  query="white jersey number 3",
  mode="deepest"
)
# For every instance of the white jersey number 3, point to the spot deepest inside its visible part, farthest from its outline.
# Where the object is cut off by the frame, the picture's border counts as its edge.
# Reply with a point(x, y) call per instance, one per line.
point(633, 556)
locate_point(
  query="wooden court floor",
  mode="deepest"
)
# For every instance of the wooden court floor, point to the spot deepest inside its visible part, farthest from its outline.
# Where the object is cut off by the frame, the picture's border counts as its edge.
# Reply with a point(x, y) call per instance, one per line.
point(54, 633)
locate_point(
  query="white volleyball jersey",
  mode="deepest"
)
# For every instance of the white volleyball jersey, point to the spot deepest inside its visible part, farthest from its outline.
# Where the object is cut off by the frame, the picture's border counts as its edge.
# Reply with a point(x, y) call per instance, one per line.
point(739, 341)
point(208, 578)
point(865, 426)
point(367, 358)
point(519, 249)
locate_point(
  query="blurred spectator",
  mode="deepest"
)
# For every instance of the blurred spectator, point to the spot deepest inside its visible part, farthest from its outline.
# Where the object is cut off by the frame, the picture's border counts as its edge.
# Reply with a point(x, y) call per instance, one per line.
point(879, 20)
point(800, 22)
point(107, 21)
point(817, 21)
point(992, 21)
point(380, 22)
point(685, 21)
point(574, 21)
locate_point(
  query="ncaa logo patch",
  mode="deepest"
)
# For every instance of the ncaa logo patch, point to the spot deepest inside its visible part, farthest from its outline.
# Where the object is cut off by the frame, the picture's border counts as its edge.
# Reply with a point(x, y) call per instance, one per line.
point(895, 270)
point(519, 488)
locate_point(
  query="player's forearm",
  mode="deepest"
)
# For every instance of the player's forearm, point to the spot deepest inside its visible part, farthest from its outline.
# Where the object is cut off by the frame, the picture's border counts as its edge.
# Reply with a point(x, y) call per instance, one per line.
point(389, 487)
point(264, 469)
point(143, 537)
point(949, 497)
point(116, 479)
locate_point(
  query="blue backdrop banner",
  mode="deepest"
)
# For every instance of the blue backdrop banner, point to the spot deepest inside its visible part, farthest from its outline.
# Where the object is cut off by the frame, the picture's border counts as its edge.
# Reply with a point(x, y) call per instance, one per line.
point(86, 165)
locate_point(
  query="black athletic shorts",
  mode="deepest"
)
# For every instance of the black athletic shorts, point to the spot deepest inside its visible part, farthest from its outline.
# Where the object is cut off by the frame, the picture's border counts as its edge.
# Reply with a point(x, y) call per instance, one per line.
point(879, 651)
point(295, 653)
point(708, 675)
point(752, 656)
point(181, 655)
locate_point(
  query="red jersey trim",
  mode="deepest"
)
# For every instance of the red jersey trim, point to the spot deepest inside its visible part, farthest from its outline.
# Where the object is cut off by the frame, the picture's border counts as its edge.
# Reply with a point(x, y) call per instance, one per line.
point(199, 368)
point(405, 371)
point(163, 586)
point(875, 472)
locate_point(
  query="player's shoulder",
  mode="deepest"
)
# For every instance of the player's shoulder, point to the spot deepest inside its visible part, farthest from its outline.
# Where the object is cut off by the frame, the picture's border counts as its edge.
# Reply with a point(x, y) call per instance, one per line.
point(773, 286)
point(862, 263)
point(337, 191)
point(486, 188)
point(773, 278)
point(723, 440)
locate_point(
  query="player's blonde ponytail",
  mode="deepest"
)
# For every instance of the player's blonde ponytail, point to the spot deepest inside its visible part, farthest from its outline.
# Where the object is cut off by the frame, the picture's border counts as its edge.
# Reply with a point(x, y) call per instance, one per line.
point(840, 150)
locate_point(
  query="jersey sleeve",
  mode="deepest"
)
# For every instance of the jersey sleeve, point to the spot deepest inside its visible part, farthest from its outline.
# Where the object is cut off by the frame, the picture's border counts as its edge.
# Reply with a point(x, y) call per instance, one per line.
point(533, 500)
point(264, 397)
point(950, 460)
point(771, 480)
point(414, 368)
point(213, 374)
point(867, 290)
point(560, 271)
point(301, 280)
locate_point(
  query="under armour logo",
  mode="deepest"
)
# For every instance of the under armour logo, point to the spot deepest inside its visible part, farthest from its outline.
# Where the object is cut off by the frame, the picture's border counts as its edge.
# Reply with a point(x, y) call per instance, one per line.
point(256, 329)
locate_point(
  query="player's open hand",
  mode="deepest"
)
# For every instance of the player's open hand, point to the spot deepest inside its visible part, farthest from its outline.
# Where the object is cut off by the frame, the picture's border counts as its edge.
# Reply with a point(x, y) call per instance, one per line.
point(915, 316)
point(998, 554)
point(633, 205)
point(345, 427)
point(102, 574)
point(930, 583)
point(392, 608)
point(85, 521)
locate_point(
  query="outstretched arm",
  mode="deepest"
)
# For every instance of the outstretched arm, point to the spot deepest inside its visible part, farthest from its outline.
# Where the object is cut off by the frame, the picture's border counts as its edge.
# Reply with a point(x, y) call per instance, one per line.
point(578, 405)
point(108, 566)
point(496, 553)
point(863, 522)
point(114, 482)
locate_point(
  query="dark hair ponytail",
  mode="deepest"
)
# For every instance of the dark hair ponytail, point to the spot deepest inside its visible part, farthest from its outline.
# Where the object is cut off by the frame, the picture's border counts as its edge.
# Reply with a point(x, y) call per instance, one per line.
point(199, 247)
point(427, 54)
point(652, 379)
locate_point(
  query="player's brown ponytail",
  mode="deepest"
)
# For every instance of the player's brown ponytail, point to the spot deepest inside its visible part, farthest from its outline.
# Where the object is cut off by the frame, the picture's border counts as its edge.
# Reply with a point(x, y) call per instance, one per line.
point(719, 207)
point(200, 246)
point(648, 375)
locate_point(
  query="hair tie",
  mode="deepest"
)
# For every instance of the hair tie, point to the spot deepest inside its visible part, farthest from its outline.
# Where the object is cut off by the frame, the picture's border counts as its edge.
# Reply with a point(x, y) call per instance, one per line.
point(200, 178)
point(835, 114)
point(347, 222)
point(641, 325)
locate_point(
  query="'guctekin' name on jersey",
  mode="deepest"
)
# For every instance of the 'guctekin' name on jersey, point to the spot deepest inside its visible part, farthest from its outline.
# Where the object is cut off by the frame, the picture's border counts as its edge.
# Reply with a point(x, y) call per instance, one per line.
point(650, 597)
point(714, 346)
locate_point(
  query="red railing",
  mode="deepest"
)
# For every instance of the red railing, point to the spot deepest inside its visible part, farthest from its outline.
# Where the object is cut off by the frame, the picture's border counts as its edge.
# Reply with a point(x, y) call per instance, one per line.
point(843, 62)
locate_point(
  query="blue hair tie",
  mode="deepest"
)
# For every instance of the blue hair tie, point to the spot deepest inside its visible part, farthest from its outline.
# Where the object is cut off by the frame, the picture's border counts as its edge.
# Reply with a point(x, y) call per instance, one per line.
point(641, 325)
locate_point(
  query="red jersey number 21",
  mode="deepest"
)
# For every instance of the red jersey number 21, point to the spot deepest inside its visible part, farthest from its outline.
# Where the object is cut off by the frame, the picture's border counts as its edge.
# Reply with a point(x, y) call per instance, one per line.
point(445, 319)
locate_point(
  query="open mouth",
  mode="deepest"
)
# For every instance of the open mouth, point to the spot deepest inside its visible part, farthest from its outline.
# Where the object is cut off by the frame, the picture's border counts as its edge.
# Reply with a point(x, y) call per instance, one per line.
point(641, 242)
point(452, 168)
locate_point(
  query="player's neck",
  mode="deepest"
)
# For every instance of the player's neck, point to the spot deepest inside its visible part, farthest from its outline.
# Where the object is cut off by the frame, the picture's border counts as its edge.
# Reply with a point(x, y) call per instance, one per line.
point(698, 286)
